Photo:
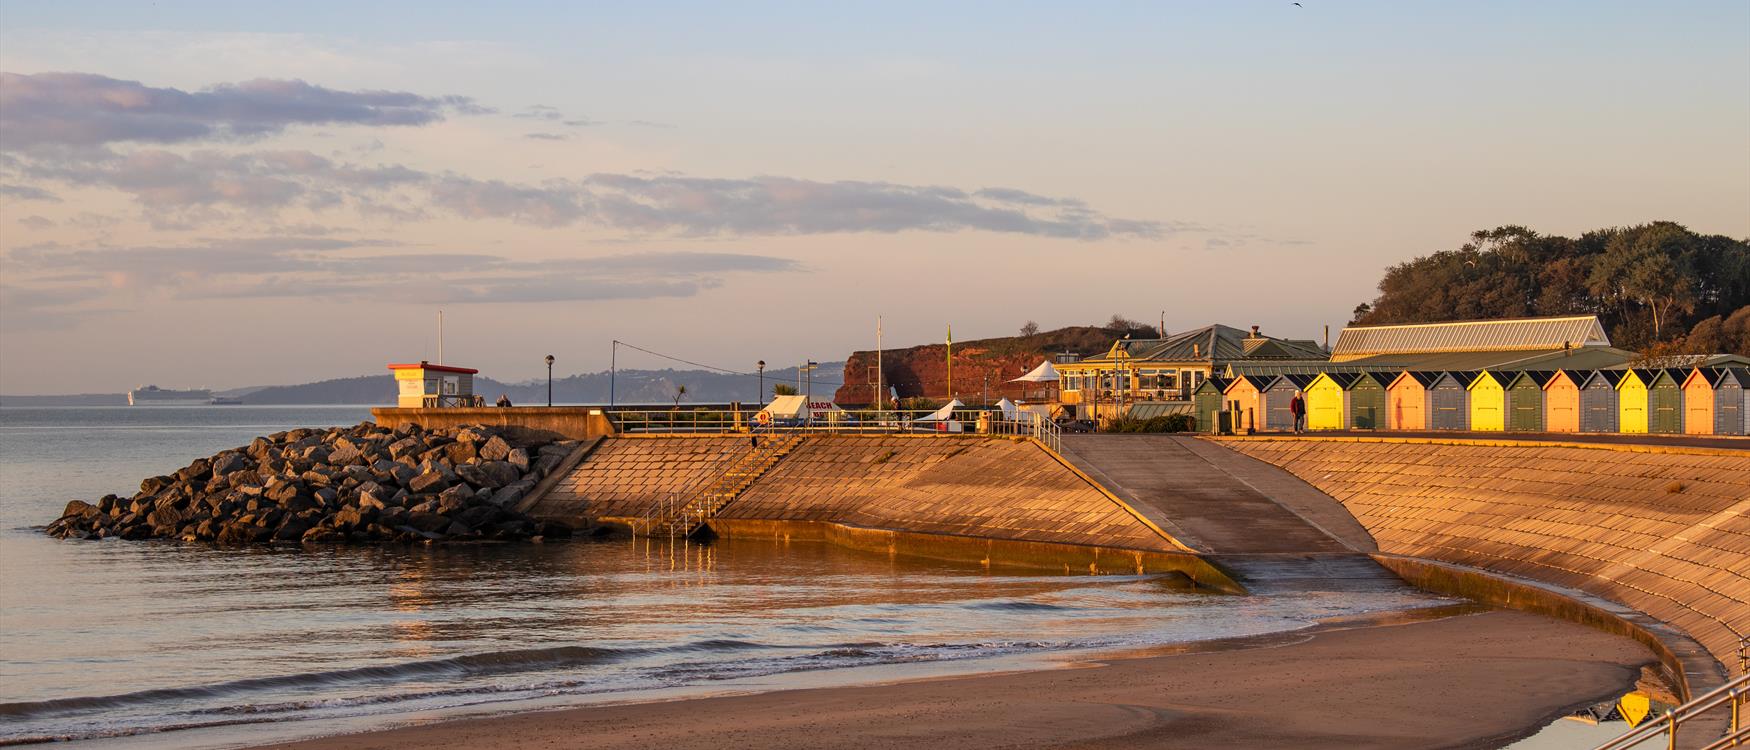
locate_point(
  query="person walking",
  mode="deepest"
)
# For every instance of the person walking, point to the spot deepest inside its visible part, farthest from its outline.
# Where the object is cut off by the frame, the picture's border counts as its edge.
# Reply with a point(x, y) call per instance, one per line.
point(503, 401)
point(1297, 407)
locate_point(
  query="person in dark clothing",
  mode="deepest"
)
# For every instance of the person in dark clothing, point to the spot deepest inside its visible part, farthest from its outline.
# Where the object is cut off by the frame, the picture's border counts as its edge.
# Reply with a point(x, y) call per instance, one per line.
point(503, 401)
point(1297, 407)
point(753, 441)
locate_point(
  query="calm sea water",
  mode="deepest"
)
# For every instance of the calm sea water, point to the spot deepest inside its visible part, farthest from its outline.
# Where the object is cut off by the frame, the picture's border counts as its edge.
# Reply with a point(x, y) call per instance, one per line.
point(163, 643)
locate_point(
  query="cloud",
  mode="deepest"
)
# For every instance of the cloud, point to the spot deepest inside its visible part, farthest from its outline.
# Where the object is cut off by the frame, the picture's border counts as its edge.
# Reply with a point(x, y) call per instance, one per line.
point(790, 206)
point(87, 110)
point(27, 193)
point(548, 136)
point(36, 222)
point(334, 268)
point(265, 181)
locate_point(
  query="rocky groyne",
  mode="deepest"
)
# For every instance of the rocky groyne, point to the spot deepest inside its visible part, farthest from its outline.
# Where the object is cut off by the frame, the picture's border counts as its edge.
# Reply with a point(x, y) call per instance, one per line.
point(358, 484)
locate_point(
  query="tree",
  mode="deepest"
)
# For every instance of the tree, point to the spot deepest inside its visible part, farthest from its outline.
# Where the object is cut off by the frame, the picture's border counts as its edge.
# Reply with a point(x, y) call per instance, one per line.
point(1030, 329)
point(1735, 332)
point(680, 392)
point(1652, 266)
point(1123, 326)
point(1647, 284)
point(784, 389)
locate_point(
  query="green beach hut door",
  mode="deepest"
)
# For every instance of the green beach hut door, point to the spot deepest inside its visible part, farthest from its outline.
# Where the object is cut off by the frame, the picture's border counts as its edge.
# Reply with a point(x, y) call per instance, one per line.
point(1526, 402)
point(1367, 404)
point(1665, 405)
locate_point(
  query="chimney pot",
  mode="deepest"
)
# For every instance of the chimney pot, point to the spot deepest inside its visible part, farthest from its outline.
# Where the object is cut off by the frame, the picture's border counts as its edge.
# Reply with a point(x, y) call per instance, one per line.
point(1254, 331)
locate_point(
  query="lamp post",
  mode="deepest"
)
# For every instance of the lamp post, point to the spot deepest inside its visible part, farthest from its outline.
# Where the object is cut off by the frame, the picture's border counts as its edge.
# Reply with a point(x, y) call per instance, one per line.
point(549, 380)
point(808, 367)
point(761, 366)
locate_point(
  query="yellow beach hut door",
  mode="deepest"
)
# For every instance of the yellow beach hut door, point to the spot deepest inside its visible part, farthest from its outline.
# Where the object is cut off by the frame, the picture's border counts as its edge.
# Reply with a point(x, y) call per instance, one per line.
point(1632, 403)
point(1324, 401)
point(1488, 401)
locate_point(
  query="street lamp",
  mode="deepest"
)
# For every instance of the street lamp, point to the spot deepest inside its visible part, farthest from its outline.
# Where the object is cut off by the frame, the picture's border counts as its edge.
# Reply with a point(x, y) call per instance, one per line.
point(549, 380)
point(809, 368)
point(762, 368)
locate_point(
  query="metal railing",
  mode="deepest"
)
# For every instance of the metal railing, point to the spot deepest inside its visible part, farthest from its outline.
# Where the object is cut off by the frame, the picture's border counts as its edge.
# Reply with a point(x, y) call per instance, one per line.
point(1733, 696)
point(726, 421)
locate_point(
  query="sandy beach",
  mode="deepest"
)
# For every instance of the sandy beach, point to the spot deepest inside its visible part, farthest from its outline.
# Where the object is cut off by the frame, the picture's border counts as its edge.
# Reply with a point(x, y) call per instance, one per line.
point(1472, 681)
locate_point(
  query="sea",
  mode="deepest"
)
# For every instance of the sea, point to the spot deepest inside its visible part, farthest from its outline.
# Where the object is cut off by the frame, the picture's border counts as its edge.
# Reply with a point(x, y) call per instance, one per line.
point(167, 644)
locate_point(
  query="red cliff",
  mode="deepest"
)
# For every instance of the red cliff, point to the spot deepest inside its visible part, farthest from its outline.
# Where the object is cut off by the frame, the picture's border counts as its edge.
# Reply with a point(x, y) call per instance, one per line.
point(923, 370)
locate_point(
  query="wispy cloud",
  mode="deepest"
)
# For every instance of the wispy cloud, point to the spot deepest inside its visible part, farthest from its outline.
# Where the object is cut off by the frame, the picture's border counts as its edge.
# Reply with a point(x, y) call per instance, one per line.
point(334, 268)
point(27, 193)
point(85, 110)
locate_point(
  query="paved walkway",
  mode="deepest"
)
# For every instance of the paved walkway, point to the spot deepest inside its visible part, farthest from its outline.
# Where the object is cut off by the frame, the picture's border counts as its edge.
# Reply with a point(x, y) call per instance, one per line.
point(1269, 529)
point(1729, 442)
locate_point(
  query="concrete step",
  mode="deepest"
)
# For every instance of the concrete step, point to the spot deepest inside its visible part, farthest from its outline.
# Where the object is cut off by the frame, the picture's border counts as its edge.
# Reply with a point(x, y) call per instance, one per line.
point(1279, 573)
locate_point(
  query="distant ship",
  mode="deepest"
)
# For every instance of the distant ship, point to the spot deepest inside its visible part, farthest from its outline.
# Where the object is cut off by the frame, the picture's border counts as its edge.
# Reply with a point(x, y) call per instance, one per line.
point(151, 395)
point(226, 401)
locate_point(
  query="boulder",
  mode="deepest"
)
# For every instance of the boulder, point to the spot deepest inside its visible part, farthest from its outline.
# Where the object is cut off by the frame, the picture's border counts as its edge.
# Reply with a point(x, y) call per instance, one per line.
point(495, 449)
point(454, 499)
point(322, 535)
point(292, 530)
point(519, 458)
point(282, 492)
point(151, 485)
point(200, 468)
point(478, 516)
point(427, 521)
point(430, 481)
point(403, 474)
point(510, 495)
point(460, 453)
point(228, 463)
point(403, 447)
point(81, 509)
point(345, 453)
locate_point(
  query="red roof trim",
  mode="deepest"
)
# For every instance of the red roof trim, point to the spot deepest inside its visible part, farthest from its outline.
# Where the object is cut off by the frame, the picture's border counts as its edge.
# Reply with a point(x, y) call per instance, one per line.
point(432, 367)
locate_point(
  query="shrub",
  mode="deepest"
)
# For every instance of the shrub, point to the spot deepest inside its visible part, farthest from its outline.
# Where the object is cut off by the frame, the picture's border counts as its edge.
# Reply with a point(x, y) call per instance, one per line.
point(1168, 423)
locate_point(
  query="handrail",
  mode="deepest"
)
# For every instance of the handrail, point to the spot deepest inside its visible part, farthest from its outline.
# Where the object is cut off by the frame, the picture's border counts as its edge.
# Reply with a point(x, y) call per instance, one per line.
point(664, 507)
point(1734, 693)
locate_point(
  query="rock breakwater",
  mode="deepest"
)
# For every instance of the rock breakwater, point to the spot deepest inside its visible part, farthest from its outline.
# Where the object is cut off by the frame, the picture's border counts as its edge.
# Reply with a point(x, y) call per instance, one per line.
point(359, 484)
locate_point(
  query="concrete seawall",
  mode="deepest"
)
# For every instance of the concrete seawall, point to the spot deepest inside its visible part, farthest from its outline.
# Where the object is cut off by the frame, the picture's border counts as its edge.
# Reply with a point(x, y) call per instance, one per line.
point(981, 499)
point(1663, 530)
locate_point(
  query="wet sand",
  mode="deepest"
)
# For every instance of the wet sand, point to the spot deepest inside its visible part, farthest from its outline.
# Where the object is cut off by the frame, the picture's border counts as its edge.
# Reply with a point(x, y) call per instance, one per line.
point(1478, 681)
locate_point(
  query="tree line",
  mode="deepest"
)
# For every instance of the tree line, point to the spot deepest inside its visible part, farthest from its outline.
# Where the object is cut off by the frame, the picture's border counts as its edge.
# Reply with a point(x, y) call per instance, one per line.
point(1656, 287)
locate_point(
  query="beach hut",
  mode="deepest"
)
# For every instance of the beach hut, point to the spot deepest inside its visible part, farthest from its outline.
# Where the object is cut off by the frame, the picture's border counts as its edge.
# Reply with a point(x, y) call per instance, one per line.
point(1206, 401)
point(1525, 400)
point(1242, 399)
point(1732, 402)
point(1561, 402)
point(1664, 401)
point(1488, 402)
point(1447, 407)
point(1598, 401)
point(1367, 401)
point(1327, 400)
point(1631, 402)
point(1274, 400)
point(1407, 396)
point(1698, 400)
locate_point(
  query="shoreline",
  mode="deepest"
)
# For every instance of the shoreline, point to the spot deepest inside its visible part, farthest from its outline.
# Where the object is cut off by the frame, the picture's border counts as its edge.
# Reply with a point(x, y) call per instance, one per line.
point(1500, 676)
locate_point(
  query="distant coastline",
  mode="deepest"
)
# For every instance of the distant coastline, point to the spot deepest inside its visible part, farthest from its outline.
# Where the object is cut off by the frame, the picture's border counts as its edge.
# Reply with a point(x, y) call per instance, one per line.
point(630, 386)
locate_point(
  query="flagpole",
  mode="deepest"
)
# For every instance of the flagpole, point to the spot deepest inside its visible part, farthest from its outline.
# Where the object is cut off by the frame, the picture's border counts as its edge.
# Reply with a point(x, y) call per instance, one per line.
point(950, 362)
point(880, 393)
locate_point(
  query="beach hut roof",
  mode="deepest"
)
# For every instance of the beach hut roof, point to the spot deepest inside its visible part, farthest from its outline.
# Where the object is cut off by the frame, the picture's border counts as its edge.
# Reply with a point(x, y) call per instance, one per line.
point(1219, 384)
point(1344, 380)
point(1508, 334)
point(1257, 382)
point(1712, 375)
point(1463, 377)
point(1612, 377)
point(1540, 377)
point(1425, 378)
point(1740, 374)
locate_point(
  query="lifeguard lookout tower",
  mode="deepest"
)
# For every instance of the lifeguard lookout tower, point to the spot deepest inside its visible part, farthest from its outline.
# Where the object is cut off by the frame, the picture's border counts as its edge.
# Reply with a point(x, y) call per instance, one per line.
point(425, 385)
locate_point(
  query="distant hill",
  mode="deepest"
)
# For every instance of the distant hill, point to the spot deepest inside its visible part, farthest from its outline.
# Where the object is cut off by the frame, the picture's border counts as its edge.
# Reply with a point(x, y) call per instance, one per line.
point(981, 367)
point(630, 387)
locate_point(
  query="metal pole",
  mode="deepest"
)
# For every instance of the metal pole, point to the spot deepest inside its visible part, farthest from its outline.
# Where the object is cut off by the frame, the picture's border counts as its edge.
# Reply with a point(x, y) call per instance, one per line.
point(549, 380)
point(761, 366)
point(613, 370)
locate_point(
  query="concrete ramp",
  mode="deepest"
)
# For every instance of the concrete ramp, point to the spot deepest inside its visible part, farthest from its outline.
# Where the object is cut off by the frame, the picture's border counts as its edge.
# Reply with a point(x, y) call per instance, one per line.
point(1266, 528)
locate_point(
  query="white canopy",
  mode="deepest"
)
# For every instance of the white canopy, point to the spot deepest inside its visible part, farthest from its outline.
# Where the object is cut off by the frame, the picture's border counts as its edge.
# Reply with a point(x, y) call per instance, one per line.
point(1008, 408)
point(796, 407)
point(943, 414)
point(1044, 373)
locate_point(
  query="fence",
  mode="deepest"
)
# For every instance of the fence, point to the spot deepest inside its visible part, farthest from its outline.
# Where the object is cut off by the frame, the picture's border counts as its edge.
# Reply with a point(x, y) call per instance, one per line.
point(729, 421)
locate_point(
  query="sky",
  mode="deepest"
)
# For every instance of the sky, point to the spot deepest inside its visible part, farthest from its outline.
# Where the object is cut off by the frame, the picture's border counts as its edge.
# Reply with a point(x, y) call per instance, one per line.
point(226, 194)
